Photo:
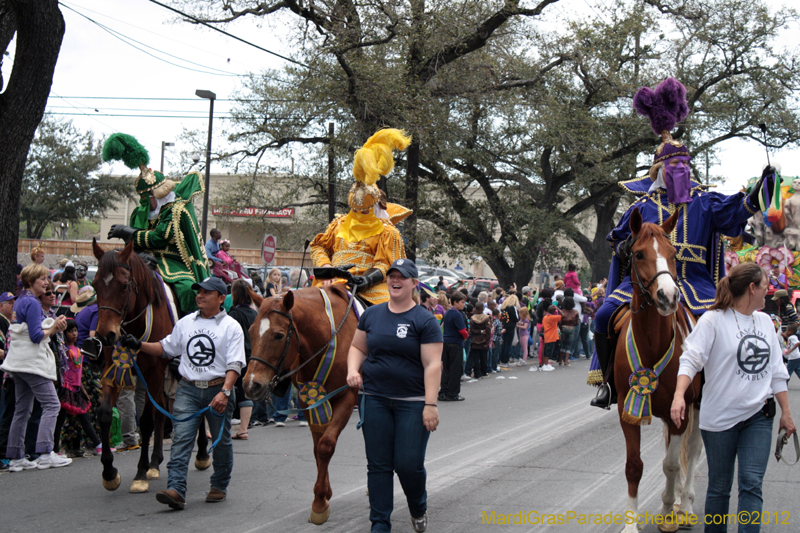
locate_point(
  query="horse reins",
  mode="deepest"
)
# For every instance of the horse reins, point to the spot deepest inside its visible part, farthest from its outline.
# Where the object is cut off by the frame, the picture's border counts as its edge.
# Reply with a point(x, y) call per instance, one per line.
point(277, 368)
point(124, 312)
point(644, 287)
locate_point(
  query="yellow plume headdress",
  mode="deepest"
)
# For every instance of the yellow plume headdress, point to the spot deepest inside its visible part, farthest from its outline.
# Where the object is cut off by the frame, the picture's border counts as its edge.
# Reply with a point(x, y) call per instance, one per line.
point(371, 161)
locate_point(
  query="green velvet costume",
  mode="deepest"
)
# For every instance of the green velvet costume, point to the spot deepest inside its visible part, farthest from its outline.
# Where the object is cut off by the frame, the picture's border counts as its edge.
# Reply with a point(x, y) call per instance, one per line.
point(173, 238)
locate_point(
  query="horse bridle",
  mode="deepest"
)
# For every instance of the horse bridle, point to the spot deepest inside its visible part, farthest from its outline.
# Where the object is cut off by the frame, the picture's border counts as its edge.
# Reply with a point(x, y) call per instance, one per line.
point(127, 288)
point(278, 368)
point(644, 287)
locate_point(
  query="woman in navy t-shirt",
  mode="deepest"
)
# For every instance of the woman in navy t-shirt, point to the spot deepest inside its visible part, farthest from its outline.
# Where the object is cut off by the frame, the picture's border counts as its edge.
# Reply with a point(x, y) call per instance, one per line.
point(396, 357)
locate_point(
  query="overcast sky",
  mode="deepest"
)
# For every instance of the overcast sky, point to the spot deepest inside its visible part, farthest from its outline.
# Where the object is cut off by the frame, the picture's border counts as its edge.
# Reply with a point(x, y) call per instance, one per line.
point(94, 65)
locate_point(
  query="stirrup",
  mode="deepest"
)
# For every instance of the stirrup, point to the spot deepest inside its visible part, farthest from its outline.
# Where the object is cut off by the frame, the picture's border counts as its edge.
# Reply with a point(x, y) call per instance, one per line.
point(603, 397)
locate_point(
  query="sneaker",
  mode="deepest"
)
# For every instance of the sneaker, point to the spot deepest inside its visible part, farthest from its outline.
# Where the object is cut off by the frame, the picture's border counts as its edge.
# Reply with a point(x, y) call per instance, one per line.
point(521, 363)
point(280, 424)
point(548, 368)
point(4, 465)
point(256, 423)
point(464, 377)
point(18, 465)
point(420, 524)
point(235, 421)
point(52, 460)
point(303, 424)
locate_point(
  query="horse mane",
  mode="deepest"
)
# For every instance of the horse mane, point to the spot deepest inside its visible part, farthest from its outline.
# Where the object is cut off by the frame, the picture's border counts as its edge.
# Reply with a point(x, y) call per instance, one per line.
point(145, 278)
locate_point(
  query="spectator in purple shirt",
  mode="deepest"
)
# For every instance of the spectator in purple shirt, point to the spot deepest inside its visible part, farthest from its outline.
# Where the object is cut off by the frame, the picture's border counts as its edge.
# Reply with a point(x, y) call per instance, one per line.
point(31, 362)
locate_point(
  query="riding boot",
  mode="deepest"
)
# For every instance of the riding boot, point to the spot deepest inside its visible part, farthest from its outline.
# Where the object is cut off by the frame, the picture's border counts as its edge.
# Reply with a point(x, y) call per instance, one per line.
point(607, 394)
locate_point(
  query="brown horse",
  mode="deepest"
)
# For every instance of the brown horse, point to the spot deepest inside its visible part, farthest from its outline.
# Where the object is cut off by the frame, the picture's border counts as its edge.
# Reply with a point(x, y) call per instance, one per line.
point(288, 334)
point(656, 326)
point(126, 288)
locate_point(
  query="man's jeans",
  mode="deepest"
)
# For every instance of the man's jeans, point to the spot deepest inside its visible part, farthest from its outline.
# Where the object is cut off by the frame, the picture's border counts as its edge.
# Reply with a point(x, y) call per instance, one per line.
point(748, 442)
point(395, 440)
point(188, 400)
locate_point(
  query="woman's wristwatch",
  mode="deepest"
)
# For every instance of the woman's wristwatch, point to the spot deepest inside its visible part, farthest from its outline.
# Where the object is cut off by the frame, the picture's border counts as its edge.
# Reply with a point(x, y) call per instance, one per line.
point(226, 392)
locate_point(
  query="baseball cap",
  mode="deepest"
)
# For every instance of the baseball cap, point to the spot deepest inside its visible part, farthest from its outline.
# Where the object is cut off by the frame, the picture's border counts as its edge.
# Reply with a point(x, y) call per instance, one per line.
point(526, 289)
point(211, 284)
point(6, 296)
point(780, 293)
point(406, 267)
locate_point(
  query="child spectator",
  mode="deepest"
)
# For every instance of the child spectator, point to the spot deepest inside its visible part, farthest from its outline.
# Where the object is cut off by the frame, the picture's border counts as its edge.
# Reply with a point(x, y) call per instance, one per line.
point(480, 333)
point(454, 333)
point(571, 279)
point(524, 334)
point(550, 322)
point(791, 352)
point(497, 338)
point(73, 397)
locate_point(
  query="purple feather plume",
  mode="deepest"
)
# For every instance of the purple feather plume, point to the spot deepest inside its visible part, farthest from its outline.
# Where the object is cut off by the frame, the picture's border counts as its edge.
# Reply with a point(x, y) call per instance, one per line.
point(665, 107)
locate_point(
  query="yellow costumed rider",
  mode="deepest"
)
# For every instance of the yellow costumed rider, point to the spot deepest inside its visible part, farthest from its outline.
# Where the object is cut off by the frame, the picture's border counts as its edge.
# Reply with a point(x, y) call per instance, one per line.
point(366, 237)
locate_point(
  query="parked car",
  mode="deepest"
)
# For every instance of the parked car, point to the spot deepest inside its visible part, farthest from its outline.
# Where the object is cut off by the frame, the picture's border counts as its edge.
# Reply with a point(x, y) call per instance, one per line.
point(433, 280)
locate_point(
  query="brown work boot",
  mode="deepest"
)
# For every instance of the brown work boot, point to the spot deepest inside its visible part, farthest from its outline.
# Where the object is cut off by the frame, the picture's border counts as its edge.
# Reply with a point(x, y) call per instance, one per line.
point(214, 496)
point(172, 498)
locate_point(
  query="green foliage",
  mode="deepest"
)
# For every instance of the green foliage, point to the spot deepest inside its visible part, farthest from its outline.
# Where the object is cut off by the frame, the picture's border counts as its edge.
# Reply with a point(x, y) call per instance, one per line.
point(61, 182)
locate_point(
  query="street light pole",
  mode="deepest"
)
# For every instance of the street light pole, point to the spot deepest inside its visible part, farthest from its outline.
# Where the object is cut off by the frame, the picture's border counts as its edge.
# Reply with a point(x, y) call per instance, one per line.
point(211, 97)
point(164, 144)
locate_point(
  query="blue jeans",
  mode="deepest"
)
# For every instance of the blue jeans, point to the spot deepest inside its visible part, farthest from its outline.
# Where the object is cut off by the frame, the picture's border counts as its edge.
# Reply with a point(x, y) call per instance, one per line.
point(793, 367)
point(748, 442)
point(495, 353)
point(188, 400)
point(395, 440)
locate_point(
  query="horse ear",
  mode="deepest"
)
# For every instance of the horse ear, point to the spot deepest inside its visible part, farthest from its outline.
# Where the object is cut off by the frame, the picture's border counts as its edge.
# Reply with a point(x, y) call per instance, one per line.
point(671, 222)
point(126, 252)
point(98, 251)
point(288, 300)
point(255, 297)
point(636, 221)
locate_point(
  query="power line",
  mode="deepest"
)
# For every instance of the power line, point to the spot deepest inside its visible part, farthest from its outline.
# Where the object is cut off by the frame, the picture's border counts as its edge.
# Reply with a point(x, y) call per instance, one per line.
point(198, 21)
point(123, 38)
point(162, 36)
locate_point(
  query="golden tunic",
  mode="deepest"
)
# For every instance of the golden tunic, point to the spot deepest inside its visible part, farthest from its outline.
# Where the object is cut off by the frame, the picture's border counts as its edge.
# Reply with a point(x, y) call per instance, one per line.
point(378, 251)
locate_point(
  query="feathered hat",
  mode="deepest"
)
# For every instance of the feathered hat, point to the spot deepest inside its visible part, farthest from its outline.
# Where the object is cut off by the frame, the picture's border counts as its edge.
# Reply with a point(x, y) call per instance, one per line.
point(371, 161)
point(125, 148)
point(664, 107)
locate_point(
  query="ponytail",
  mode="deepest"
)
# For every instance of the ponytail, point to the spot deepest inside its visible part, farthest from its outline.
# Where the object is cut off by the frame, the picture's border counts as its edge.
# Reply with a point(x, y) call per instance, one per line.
point(736, 284)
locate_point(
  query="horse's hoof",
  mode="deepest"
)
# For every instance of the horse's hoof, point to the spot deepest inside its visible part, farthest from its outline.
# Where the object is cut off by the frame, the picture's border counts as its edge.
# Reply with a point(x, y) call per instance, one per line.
point(139, 486)
point(112, 484)
point(153, 473)
point(320, 518)
point(668, 526)
point(202, 464)
point(683, 519)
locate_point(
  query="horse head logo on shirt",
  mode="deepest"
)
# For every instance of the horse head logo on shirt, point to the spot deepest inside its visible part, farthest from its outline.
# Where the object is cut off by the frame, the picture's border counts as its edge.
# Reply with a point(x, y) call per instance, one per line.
point(201, 350)
point(753, 354)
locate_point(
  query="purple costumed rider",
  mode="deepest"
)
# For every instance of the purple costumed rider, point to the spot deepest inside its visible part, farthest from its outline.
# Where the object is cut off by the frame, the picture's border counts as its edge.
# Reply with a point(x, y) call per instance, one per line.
point(697, 236)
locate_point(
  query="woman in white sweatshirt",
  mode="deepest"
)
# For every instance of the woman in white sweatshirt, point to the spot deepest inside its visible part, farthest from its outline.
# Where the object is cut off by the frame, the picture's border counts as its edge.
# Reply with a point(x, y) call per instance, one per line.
point(738, 347)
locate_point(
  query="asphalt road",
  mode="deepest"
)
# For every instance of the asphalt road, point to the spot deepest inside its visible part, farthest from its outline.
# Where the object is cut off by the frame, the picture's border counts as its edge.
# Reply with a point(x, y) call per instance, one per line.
point(526, 442)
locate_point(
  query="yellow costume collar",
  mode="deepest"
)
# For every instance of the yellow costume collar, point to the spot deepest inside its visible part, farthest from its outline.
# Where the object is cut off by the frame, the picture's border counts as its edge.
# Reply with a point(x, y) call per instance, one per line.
point(356, 227)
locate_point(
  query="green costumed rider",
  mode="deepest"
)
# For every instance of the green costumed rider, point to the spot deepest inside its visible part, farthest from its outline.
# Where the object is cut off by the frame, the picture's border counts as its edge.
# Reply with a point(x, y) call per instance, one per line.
point(164, 225)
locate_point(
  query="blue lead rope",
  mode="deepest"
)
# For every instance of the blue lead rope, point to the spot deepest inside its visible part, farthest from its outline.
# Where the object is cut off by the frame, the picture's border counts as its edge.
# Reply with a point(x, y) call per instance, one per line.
point(172, 417)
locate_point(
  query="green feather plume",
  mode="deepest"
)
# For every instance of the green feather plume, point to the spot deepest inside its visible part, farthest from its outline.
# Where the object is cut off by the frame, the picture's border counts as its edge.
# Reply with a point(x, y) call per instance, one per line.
point(125, 148)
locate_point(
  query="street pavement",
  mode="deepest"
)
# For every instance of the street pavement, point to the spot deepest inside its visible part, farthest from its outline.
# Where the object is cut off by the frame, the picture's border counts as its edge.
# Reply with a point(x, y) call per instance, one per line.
point(521, 442)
